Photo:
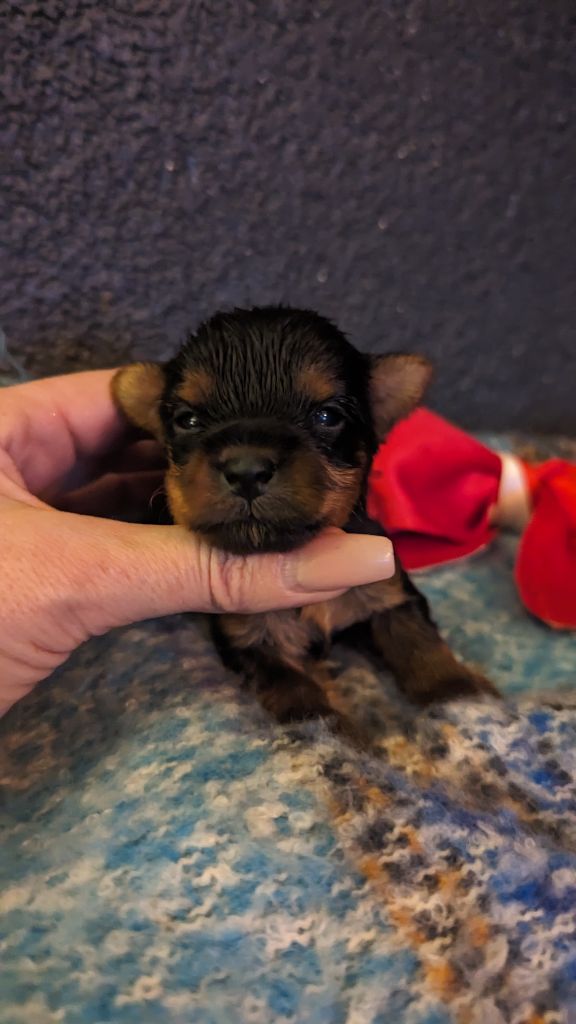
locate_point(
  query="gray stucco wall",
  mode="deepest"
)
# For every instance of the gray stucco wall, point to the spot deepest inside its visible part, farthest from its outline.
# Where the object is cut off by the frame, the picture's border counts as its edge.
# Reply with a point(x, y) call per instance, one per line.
point(407, 168)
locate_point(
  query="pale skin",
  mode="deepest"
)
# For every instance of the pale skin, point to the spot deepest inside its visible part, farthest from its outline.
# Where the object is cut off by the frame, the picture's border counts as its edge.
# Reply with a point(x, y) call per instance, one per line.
point(70, 571)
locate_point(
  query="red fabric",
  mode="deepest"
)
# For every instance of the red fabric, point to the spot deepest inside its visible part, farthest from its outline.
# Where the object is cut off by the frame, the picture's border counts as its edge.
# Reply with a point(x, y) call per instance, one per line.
point(432, 487)
point(546, 565)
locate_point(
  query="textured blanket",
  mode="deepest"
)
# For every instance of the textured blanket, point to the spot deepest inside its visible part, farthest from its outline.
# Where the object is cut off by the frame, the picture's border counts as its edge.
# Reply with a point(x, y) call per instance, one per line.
point(168, 854)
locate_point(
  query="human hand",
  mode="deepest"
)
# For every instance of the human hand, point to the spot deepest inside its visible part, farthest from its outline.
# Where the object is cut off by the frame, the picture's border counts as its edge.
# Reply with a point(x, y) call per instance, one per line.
point(67, 574)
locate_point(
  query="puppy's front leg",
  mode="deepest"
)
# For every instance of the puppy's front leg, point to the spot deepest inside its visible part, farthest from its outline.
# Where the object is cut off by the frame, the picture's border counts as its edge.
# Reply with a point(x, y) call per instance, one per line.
point(423, 665)
point(286, 693)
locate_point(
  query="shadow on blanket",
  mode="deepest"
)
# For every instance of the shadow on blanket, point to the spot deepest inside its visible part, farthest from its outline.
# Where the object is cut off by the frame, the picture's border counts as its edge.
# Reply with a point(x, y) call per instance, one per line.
point(167, 854)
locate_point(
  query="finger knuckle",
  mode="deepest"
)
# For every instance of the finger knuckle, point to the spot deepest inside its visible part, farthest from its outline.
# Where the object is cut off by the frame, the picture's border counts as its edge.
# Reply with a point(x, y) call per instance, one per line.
point(229, 581)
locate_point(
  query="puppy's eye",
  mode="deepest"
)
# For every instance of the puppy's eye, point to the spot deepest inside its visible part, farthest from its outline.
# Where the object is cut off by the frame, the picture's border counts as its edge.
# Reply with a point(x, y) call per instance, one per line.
point(328, 417)
point(185, 421)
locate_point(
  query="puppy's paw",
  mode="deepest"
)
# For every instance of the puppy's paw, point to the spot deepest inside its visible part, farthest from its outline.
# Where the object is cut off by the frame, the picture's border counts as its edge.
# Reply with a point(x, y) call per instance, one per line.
point(301, 708)
point(461, 685)
point(297, 703)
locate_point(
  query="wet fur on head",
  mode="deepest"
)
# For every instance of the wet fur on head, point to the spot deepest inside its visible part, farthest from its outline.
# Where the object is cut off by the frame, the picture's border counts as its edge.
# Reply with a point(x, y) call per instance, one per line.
point(282, 392)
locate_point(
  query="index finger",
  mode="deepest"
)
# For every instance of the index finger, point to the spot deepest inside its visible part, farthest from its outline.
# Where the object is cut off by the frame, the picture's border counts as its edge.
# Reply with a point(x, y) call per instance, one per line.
point(49, 426)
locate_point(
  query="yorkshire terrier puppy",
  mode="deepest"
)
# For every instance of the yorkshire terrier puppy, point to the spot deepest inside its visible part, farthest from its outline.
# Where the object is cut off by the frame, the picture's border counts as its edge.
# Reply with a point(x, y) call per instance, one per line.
point(270, 419)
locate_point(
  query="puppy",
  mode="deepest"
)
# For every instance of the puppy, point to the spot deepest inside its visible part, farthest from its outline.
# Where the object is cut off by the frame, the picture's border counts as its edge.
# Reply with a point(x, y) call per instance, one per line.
point(270, 419)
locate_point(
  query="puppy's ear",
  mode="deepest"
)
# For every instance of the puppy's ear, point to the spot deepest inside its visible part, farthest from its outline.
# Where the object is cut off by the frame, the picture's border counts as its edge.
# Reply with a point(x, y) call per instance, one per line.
point(397, 384)
point(137, 390)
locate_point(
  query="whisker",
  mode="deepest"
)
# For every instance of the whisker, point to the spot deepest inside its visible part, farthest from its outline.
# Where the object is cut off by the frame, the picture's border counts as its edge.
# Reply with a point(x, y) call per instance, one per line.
point(156, 494)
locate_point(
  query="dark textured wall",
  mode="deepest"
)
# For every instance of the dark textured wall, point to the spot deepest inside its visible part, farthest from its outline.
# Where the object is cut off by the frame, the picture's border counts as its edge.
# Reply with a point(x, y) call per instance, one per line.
point(405, 167)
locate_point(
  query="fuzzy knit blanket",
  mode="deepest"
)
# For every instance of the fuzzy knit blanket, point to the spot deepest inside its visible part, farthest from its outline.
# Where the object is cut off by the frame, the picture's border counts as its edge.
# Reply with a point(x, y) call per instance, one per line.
point(168, 854)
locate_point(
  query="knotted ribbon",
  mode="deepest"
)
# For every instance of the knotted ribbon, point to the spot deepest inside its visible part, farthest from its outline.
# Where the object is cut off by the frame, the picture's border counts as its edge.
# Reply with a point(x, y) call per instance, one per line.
point(442, 495)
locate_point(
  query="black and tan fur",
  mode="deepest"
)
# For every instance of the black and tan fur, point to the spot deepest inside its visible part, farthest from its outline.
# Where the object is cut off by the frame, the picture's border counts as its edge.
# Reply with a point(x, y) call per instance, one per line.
point(270, 419)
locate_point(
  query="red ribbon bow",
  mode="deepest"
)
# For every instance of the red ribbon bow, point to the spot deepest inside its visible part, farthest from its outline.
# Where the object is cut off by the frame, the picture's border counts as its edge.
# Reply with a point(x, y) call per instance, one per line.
point(442, 495)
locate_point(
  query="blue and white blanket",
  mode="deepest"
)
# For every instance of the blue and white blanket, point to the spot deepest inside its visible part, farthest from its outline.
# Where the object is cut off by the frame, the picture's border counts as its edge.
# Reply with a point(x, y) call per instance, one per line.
point(168, 854)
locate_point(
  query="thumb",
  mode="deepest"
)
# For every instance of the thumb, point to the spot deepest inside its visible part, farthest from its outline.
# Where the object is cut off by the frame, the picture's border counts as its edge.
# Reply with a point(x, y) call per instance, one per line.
point(144, 571)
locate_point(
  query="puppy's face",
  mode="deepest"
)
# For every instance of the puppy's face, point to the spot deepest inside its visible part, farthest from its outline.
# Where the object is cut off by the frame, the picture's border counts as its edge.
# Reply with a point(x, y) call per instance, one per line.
point(269, 418)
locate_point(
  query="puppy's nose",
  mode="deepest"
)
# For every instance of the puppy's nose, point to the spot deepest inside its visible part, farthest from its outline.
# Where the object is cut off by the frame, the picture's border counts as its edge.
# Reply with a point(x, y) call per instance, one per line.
point(248, 475)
